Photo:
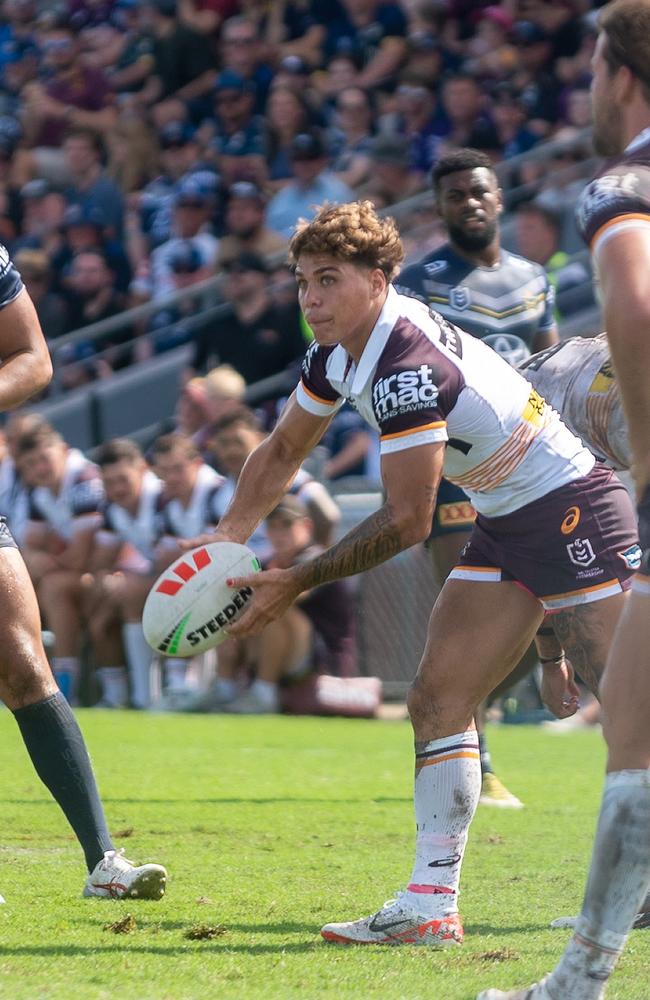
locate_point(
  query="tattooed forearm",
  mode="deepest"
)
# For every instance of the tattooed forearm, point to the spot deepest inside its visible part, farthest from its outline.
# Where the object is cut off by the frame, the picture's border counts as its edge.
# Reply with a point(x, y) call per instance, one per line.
point(372, 542)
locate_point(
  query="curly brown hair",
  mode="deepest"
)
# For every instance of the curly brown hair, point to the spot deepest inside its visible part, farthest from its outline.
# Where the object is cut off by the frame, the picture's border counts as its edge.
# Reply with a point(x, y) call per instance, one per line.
point(351, 232)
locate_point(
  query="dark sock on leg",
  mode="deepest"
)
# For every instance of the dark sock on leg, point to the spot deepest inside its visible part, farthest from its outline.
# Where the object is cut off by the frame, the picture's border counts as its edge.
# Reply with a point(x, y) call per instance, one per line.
point(486, 758)
point(60, 758)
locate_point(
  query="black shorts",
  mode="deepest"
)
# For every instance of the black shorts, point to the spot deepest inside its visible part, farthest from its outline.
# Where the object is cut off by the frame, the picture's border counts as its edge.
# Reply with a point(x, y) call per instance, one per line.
point(453, 511)
point(575, 545)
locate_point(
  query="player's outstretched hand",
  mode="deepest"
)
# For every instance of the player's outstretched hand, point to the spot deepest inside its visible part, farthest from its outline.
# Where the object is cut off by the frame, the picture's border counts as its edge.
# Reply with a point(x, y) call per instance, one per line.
point(560, 693)
point(275, 590)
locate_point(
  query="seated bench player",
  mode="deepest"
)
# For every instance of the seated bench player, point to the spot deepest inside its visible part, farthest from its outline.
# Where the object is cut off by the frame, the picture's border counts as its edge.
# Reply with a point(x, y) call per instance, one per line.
point(438, 397)
point(125, 566)
point(64, 497)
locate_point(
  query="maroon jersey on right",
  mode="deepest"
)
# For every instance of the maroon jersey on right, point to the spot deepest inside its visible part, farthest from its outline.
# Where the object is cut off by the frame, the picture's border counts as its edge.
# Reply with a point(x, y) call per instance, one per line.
point(618, 197)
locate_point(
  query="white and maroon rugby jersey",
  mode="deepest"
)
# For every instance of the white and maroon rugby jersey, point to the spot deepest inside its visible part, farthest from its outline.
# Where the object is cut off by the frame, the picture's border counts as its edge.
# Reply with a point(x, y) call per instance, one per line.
point(421, 380)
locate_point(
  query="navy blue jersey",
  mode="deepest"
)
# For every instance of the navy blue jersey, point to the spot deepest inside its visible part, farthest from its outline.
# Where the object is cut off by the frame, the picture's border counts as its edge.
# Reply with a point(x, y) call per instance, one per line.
point(514, 297)
point(11, 283)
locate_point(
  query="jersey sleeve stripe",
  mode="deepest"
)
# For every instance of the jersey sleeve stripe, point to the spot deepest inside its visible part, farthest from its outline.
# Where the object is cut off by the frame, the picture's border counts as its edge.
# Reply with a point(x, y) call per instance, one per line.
point(312, 404)
point(414, 430)
point(318, 399)
point(633, 220)
point(414, 440)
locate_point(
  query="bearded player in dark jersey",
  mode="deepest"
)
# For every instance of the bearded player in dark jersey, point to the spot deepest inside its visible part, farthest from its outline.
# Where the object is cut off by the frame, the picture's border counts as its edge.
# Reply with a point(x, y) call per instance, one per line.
point(496, 296)
point(614, 218)
point(27, 687)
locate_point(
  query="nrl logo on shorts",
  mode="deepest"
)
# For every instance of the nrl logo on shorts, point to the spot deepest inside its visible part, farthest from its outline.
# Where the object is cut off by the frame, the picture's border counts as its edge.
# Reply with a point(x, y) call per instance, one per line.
point(460, 298)
point(581, 552)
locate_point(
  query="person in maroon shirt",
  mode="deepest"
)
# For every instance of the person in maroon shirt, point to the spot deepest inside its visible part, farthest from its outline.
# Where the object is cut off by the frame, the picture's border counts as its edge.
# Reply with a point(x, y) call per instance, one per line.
point(74, 94)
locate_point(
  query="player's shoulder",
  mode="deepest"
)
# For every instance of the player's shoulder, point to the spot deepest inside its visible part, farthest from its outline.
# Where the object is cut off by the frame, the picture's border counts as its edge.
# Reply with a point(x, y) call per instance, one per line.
point(317, 356)
point(622, 187)
point(521, 265)
point(429, 266)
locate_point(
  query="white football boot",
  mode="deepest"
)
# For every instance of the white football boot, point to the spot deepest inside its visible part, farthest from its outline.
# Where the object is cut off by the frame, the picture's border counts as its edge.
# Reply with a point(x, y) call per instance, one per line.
point(397, 923)
point(114, 877)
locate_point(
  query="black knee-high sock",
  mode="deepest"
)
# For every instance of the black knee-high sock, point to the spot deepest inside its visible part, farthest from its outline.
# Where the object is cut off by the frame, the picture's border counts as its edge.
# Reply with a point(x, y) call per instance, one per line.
point(59, 755)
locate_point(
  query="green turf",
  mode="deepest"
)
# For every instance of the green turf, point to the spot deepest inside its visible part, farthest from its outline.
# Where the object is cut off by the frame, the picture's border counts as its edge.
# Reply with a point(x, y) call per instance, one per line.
point(269, 828)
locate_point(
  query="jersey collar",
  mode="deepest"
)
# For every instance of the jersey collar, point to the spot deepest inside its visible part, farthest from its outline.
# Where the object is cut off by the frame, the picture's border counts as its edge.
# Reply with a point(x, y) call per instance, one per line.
point(377, 341)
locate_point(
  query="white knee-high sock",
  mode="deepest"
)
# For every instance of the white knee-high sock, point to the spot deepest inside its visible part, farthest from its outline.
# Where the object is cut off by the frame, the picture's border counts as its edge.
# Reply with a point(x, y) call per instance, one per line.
point(138, 657)
point(447, 790)
point(618, 881)
point(114, 684)
point(175, 670)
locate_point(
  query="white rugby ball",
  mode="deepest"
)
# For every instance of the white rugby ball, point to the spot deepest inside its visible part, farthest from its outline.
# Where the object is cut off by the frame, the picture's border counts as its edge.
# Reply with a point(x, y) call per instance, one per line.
point(190, 606)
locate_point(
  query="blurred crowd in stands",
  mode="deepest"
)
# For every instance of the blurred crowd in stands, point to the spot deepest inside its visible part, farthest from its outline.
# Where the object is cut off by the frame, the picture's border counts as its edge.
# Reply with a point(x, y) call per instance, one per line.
point(146, 145)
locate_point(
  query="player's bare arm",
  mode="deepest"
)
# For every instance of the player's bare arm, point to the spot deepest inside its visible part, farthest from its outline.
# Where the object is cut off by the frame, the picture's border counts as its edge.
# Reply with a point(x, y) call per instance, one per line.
point(623, 263)
point(26, 367)
point(545, 339)
point(411, 480)
point(268, 473)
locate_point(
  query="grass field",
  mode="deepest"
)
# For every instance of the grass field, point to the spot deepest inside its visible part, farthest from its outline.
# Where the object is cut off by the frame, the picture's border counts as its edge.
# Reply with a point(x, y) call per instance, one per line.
point(271, 827)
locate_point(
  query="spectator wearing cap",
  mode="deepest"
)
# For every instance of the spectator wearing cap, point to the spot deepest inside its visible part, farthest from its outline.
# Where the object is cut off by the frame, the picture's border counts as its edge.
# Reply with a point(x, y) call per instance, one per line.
point(179, 155)
point(51, 308)
point(391, 177)
point(353, 136)
point(73, 94)
point(509, 117)
point(42, 211)
point(245, 225)
point(287, 115)
point(427, 59)
point(183, 65)
point(239, 143)
point(312, 185)
point(90, 187)
point(190, 254)
point(375, 33)
point(241, 52)
point(257, 337)
point(85, 229)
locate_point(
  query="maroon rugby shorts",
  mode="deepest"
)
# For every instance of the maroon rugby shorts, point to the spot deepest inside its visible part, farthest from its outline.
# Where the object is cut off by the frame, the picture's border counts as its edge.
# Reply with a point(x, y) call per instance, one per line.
point(577, 544)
